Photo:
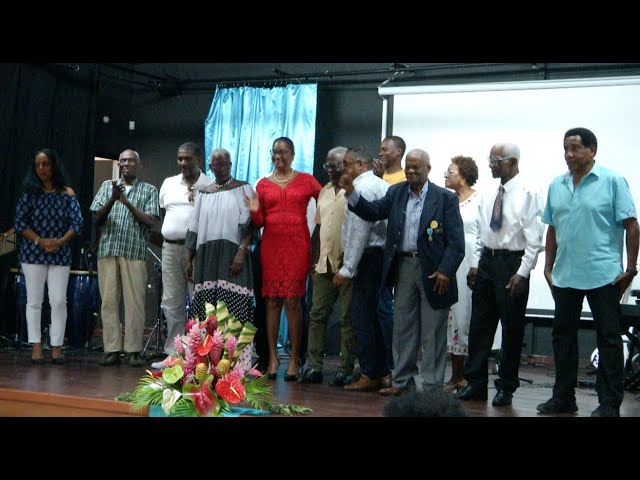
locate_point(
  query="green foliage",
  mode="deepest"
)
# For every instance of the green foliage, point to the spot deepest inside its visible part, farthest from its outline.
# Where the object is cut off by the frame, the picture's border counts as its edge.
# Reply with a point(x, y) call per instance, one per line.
point(282, 409)
point(146, 393)
point(258, 393)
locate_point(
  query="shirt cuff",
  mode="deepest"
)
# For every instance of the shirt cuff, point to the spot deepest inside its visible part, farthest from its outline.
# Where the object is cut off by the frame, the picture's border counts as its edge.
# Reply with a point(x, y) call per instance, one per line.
point(345, 272)
point(352, 198)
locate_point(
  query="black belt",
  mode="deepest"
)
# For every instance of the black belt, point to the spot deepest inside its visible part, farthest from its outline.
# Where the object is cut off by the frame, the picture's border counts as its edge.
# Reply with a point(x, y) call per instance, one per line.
point(177, 242)
point(370, 250)
point(408, 254)
point(497, 253)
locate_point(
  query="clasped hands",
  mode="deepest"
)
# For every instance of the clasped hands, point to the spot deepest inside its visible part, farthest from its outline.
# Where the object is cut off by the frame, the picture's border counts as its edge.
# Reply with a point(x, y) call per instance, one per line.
point(117, 192)
point(51, 245)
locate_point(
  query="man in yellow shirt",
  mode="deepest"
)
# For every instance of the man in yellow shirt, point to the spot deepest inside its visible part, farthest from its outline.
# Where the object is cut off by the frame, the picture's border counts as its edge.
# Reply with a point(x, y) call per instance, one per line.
point(390, 156)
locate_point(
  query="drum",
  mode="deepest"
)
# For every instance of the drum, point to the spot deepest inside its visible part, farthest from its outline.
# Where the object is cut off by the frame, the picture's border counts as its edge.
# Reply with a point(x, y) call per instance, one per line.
point(16, 288)
point(81, 307)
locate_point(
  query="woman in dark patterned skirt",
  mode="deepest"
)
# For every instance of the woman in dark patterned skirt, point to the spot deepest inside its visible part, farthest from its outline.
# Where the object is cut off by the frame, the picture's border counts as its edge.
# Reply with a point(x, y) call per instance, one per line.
point(218, 243)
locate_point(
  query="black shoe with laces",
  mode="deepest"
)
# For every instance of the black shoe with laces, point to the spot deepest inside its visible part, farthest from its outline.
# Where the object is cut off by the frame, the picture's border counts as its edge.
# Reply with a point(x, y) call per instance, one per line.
point(310, 375)
point(502, 399)
point(472, 393)
point(341, 379)
point(135, 359)
point(604, 411)
point(555, 405)
point(109, 359)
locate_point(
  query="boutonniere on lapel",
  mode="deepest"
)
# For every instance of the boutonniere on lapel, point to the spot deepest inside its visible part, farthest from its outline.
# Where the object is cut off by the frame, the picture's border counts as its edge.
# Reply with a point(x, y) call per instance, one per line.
point(434, 227)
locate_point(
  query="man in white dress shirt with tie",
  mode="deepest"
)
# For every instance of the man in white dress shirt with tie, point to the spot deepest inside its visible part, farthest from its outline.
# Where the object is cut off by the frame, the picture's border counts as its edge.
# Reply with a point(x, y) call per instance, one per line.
point(511, 233)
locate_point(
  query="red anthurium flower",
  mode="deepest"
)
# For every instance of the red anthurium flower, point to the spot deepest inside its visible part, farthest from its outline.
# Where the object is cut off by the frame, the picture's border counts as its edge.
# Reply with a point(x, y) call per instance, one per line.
point(230, 390)
point(202, 399)
point(205, 346)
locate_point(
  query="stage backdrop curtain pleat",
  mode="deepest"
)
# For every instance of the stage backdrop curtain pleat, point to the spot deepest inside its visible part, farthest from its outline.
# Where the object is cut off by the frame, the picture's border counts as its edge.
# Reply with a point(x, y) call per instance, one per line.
point(246, 121)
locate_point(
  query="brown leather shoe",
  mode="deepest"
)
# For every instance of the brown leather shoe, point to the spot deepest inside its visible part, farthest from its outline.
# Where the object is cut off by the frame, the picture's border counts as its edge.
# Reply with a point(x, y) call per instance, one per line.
point(385, 381)
point(391, 391)
point(363, 384)
point(455, 386)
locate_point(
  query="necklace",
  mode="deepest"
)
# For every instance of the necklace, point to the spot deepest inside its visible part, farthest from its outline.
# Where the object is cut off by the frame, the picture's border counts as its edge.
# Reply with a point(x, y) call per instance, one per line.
point(275, 175)
point(220, 185)
point(49, 191)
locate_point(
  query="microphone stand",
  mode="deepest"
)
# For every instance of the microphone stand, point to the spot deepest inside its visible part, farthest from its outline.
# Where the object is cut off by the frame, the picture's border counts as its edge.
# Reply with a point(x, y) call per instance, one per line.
point(157, 328)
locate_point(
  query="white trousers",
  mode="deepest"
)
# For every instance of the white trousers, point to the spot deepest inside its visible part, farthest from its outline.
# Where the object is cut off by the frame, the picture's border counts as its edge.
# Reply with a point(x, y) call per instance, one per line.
point(56, 277)
point(175, 288)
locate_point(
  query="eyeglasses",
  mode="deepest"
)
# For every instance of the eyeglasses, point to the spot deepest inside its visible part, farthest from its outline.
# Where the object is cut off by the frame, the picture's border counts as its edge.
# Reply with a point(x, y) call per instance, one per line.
point(282, 153)
point(331, 166)
point(219, 165)
point(447, 173)
point(496, 161)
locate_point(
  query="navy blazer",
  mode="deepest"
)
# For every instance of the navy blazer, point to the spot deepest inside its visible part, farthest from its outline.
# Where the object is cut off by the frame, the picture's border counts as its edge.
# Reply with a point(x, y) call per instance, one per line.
point(443, 250)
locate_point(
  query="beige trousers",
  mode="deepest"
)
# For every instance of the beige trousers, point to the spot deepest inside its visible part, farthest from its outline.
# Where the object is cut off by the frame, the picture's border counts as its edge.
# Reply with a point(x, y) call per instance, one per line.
point(121, 277)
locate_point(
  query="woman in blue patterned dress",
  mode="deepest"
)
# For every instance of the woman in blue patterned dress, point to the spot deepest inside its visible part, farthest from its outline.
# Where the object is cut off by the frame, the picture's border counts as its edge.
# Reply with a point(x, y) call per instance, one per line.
point(48, 216)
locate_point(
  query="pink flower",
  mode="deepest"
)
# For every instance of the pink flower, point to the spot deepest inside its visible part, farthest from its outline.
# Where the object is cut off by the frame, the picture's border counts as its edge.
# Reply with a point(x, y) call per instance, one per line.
point(189, 324)
point(230, 345)
point(216, 349)
point(178, 344)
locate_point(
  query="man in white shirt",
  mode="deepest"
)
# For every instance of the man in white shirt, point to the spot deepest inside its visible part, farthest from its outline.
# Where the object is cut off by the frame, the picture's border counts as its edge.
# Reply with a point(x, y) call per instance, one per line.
point(510, 230)
point(363, 246)
point(177, 197)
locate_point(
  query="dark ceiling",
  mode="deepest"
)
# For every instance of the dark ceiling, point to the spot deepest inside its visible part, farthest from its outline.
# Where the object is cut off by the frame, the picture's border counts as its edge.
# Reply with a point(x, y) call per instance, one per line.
point(181, 78)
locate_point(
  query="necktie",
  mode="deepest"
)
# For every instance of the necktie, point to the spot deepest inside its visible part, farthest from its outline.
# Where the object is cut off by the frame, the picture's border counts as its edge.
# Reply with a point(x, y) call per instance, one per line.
point(496, 216)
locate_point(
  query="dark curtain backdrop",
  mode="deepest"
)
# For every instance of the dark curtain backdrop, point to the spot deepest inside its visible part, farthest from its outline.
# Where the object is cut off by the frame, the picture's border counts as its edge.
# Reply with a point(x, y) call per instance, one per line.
point(45, 106)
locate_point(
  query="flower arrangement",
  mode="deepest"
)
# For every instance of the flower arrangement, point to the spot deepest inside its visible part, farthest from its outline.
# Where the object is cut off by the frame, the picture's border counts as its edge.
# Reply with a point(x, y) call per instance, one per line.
point(211, 370)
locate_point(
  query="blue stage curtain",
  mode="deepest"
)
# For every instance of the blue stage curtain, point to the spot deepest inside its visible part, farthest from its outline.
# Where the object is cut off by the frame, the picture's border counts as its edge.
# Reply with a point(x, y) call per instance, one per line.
point(246, 121)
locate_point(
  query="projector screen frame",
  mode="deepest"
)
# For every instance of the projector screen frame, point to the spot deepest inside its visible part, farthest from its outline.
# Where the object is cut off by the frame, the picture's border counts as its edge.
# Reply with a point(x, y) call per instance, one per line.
point(389, 93)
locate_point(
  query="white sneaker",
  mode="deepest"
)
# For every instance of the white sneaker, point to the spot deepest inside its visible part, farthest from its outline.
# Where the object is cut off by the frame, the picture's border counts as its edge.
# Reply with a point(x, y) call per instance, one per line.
point(161, 365)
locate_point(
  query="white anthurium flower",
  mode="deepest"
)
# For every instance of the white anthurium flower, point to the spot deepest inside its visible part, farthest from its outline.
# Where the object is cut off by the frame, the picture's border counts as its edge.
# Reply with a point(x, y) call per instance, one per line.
point(169, 398)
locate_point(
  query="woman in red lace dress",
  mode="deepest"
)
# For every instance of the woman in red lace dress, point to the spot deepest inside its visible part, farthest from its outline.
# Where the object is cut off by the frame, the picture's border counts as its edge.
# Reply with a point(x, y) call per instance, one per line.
point(281, 208)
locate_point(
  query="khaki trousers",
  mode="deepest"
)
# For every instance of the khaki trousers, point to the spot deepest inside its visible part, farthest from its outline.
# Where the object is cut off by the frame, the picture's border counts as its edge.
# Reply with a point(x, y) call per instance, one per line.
point(120, 277)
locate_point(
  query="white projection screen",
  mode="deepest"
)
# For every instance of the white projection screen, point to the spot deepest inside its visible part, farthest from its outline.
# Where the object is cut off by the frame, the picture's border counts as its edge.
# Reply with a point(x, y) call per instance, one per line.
point(468, 119)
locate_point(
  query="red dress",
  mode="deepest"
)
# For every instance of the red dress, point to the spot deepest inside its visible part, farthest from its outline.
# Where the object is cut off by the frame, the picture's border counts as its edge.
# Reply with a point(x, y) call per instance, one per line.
point(285, 251)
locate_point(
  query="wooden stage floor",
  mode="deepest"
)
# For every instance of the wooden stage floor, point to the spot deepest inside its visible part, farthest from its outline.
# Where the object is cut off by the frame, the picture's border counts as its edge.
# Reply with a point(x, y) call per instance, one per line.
point(81, 376)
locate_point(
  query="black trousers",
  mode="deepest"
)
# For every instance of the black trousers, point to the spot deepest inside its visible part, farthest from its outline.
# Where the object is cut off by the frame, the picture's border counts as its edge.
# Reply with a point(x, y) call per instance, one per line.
point(490, 302)
point(605, 307)
point(259, 314)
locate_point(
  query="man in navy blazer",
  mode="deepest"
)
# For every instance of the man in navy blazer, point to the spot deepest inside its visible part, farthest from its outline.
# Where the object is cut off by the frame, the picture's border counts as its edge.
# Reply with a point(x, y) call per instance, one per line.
point(424, 247)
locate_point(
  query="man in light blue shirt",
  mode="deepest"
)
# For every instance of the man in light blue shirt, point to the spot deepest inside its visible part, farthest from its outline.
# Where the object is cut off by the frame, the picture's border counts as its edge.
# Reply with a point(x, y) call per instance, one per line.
point(589, 209)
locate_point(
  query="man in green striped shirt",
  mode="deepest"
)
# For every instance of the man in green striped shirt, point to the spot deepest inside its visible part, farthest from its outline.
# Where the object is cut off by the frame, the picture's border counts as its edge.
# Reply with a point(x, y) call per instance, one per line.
point(124, 210)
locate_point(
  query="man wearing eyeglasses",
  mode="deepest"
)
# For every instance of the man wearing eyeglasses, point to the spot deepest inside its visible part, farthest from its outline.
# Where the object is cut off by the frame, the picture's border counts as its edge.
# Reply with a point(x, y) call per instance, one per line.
point(510, 239)
point(124, 210)
point(423, 249)
point(328, 253)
